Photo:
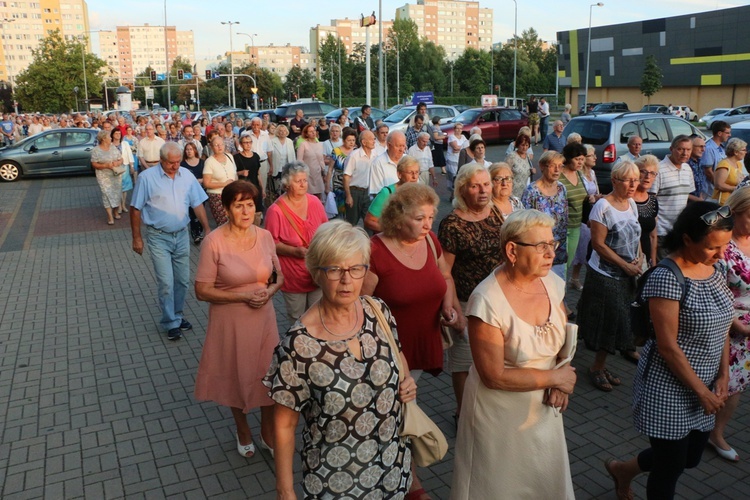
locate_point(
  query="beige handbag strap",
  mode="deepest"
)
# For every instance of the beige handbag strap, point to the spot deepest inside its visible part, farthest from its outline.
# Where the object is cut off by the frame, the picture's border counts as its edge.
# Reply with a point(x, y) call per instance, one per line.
point(380, 318)
point(432, 247)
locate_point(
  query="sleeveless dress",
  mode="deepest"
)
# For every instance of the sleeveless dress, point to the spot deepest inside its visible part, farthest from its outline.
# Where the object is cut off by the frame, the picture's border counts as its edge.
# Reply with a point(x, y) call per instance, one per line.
point(510, 444)
point(415, 297)
point(239, 340)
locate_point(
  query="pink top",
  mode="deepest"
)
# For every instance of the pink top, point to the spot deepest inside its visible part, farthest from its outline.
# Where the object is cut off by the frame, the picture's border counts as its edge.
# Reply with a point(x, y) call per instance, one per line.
point(311, 154)
point(296, 277)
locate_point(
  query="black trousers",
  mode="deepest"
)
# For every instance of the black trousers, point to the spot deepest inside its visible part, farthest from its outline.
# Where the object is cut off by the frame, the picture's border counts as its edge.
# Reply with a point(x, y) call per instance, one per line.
point(666, 460)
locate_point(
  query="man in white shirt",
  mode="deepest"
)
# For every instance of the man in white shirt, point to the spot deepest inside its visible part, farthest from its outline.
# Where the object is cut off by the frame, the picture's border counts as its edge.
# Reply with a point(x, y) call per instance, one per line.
point(423, 154)
point(35, 127)
point(381, 136)
point(543, 116)
point(357, 178)
point(383, 170)
point(635, 143)
point(148, 148)
point(672, 188)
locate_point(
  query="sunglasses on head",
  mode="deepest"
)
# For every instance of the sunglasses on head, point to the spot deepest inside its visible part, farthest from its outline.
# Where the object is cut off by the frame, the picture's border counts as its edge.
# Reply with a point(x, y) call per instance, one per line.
point(712, 217)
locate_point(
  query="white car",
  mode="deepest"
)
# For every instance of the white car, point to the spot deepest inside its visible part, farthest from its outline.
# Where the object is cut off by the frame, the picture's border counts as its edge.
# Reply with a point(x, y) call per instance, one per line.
point(709, 117)
point(685, 112)
point(734, 115)
point(400, 119)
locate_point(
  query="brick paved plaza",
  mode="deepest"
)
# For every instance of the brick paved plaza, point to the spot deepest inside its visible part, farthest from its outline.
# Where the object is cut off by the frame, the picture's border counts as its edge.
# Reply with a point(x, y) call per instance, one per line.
point(95, 402)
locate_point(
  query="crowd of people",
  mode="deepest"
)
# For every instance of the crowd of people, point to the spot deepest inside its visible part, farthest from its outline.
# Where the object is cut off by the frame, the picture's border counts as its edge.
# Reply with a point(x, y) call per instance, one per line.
point(494, 276)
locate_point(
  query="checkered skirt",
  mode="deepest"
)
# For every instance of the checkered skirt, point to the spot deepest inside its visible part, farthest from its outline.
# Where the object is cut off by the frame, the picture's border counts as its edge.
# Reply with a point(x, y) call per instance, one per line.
point(662, 406)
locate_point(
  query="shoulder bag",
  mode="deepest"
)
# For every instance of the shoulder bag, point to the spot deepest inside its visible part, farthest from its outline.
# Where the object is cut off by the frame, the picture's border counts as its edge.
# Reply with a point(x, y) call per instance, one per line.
point(292, 222)
point(446, 332)
point(428, 444)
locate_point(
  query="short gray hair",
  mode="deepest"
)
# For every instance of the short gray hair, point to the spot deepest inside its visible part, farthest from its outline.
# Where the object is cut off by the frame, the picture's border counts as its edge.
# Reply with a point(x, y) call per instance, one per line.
point(735, 145)
point(589, 148)
point(462, 179)
point(333, 243)
point(255, 118)
point(647, 160)
point(167, 148)
point(101, 135)
point(624, 168)
point(574, 137)
point(518, 223)
point(335, 126)
point(291, 169)
point(475, 130)
point(423, 134)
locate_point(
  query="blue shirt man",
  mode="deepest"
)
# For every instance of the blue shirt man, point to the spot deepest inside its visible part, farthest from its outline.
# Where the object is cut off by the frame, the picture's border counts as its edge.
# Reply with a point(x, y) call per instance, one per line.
point(6, 127)
point(715, 151)
point(555, 141)
point(161, 199)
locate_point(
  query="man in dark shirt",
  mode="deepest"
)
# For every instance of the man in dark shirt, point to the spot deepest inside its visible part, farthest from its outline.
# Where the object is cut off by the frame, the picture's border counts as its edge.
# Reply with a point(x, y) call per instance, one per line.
point(413, 132)
point(297, 124)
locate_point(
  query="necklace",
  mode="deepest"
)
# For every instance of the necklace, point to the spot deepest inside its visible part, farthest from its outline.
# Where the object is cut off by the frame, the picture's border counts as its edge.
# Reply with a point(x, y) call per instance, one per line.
point(515, 285)
point(410, 255)
point(354, 327)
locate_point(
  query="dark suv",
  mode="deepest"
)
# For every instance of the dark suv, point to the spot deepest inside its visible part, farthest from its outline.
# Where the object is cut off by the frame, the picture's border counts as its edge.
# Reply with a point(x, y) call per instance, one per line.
point(610, 107)
point(609, 134)
point(315, 109)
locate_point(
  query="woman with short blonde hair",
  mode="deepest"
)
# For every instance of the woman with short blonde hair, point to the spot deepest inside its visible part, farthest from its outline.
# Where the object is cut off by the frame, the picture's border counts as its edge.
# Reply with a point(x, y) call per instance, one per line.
point(729, 170)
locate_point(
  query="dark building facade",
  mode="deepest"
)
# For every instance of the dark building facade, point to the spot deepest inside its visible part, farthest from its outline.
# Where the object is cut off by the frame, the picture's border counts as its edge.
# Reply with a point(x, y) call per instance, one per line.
point(704, 57)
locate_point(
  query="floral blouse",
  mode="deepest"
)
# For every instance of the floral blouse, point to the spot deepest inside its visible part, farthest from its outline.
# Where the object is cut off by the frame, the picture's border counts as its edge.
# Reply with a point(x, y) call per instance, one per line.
point(556, 207)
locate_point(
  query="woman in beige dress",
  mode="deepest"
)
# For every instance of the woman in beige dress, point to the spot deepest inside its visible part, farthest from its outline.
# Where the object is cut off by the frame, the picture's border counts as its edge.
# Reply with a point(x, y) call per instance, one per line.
point(310, 152)
point(511, 440)
point(218, 171)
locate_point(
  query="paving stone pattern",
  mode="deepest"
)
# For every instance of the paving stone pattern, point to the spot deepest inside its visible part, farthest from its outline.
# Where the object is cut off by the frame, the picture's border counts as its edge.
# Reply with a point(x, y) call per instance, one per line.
point(95, 402)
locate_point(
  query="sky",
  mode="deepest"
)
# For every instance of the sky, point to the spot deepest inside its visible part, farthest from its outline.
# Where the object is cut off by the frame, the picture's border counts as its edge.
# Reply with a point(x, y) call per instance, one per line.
point(289, 21)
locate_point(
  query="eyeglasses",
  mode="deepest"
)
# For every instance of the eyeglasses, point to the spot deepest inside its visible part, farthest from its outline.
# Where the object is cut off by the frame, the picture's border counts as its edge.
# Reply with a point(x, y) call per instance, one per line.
point(632, 182)
point(647, 174)
point(335, 273)
point(502, 180)
point(712, 217)
point(541, 247)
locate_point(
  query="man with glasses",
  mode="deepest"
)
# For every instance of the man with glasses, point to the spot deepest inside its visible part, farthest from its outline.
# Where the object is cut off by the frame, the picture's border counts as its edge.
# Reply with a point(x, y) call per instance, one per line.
point(672, 188)
point(715, 150)
point(635, 143)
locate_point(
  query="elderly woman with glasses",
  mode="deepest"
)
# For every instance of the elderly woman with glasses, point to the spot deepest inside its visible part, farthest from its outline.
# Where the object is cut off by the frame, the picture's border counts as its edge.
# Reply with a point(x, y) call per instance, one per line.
point(683, 376)
point(335, 367)
point(503, 200)
point(510, 437)
point(588, 176)
point(648, 206)
point(604, 307)
point(729, 170)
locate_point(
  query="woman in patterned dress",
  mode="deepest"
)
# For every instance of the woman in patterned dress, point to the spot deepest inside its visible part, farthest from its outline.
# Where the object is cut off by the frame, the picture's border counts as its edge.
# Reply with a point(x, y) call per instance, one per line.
point(470, 239)
point(336, 368)
point(737, 259)
point(107, 163)
point(548, 195)
point(683, 374)
point(604, 307)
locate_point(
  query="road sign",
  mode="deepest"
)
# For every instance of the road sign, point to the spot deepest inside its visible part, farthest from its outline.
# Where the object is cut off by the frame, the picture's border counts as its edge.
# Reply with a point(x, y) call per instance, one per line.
point(254, 90)
point(187, 76)
point(160, 77)
point(149, 93)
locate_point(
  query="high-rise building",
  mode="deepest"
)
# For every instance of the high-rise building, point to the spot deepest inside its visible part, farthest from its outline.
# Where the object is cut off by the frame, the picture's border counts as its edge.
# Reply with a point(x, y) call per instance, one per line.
point(452, 24)
point(24, 24)
point(348, 31)
point(129, 50)
point(276, 58)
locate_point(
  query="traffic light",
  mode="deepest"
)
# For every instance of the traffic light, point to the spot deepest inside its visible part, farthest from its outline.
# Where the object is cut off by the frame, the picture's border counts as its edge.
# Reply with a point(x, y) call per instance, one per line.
point(153, 75)
point(180, 74)
point(208, 74)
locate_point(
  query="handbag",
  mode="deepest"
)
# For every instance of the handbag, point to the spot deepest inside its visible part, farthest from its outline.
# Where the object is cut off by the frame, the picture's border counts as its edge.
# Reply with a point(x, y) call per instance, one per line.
point(428, 444)
point(119, 170)
point(446, 332)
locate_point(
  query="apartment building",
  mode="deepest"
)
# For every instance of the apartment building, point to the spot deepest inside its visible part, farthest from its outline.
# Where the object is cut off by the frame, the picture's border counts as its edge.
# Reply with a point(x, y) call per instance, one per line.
point(348, 31)
point(451, 24)
point(276, 58)
point(26, 23)
point(129, 50)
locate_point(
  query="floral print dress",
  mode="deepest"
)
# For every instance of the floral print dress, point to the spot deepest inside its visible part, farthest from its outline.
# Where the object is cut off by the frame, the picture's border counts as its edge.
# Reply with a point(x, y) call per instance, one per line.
point(351, 447)
point(738, 279)
point(556, 207)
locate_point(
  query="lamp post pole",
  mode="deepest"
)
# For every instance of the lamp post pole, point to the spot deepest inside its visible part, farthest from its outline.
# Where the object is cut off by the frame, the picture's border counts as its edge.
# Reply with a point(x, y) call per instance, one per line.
point(232, 97)
point(588, 57)
point(83, 61)
point(166, 59)
point(255, 67)
point(515, 52)
point(398, 70)
point(381, 76)
point(338, 47)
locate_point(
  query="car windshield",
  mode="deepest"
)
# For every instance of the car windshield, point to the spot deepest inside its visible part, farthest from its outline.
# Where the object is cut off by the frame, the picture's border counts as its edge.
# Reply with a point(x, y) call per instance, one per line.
point(399, 115)
point(467, 116)
point(594, 132)
point(741, 133)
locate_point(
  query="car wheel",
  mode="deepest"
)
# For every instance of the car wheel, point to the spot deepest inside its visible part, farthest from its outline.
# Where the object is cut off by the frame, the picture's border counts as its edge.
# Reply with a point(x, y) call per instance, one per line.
point(9, 171)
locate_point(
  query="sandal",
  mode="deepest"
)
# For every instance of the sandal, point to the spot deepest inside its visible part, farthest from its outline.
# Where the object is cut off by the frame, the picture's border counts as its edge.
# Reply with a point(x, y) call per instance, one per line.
point(419, 494)
point(620, 496)
point(599, 380)
point(611, 377)
point(245, 450)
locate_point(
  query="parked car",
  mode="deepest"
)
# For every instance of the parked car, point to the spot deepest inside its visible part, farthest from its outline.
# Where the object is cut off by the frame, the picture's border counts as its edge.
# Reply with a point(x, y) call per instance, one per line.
point(741, 130)
point(244, 114)
point(609, 134)
point(655, 108)
point(734, 115)
point(271, 114)
point(685, 112)
point(497, 124)
point(709, 117)
point(589, 107)
point(400, 119)
point(610, 107)
point(354, 111)
point(315, 109)
point(462, 107)
point(53, 152)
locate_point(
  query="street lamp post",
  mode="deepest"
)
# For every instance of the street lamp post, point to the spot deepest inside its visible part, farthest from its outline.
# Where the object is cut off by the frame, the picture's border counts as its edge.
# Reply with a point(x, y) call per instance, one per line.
point(5, 21)
point(166, 59)
point(398, 70)
point(515, 52)
point(255, 67)
point(338, 47)
point(232, 97)
point(588, 57)
point(380, 56)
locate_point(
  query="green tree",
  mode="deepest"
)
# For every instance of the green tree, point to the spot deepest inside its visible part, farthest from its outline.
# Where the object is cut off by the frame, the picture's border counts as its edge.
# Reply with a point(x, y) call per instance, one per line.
point(56, 69)
point(652, 76)
point(471, 72)
point(301, 83)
